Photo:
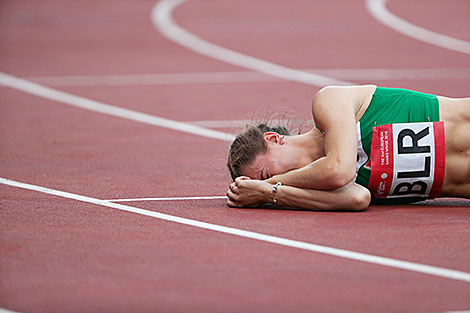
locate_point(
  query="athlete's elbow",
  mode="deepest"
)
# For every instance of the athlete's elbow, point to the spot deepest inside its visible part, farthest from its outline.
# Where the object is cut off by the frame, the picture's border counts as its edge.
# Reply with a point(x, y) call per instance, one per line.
point(340, 176)
point(360, 200)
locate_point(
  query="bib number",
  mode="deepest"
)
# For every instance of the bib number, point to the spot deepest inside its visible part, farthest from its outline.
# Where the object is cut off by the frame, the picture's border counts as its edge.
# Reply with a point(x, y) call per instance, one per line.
point(407, 160)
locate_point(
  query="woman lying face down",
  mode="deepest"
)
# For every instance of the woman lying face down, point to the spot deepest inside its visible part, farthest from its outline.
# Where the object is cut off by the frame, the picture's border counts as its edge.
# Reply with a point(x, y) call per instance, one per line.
point(335, 165)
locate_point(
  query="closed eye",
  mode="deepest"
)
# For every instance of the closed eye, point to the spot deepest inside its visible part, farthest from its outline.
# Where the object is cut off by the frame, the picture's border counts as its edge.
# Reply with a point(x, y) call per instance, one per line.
point(262, 174)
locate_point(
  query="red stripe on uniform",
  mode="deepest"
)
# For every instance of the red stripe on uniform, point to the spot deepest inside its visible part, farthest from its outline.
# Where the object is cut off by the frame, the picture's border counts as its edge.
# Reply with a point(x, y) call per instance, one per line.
point(440, 159)
point(381, 161)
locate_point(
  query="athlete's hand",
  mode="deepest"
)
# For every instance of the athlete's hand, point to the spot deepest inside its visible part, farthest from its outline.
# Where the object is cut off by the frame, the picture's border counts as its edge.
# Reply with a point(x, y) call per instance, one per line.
point(245, 192)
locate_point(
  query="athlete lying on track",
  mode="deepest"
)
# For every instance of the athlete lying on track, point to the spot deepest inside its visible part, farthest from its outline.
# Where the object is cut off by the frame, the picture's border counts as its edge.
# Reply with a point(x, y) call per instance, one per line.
point(369, 142)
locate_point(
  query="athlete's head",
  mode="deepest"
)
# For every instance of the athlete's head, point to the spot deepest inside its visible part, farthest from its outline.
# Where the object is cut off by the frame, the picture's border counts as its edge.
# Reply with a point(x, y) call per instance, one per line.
point(258, 152)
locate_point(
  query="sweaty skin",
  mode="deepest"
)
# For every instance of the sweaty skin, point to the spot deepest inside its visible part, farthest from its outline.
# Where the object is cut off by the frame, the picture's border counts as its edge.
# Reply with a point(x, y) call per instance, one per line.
point(455, 113)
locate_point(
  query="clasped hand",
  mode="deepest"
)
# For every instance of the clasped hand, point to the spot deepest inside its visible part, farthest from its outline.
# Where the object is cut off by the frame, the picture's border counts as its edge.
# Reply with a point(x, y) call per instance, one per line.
point(247, 192)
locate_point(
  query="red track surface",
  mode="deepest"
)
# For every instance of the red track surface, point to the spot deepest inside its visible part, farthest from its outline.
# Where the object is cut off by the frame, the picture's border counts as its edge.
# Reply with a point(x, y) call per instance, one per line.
point(59, 255)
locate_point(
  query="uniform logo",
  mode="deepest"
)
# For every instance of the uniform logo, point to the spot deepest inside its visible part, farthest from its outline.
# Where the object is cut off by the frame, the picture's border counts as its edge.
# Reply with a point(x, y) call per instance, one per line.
point(407, 160)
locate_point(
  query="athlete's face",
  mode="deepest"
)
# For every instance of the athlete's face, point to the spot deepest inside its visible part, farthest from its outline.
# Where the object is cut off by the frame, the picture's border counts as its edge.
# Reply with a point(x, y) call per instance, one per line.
point(278, 159)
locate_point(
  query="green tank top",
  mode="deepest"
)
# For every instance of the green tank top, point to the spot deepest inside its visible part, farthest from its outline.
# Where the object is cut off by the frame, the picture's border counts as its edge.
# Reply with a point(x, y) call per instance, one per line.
point(389, 106)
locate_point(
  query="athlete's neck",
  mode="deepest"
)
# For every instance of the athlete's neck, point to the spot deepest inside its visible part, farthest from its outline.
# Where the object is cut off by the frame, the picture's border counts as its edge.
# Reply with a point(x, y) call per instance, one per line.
point(309, 146)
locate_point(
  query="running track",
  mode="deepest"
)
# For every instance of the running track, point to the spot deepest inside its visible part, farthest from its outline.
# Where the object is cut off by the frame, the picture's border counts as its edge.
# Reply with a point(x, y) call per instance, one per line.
point(63, 253)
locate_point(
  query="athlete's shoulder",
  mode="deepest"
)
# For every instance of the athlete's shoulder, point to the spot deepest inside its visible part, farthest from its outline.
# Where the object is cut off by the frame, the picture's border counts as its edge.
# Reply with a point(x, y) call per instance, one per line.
point(343, 99)
point(356, 96)
point(355, 91)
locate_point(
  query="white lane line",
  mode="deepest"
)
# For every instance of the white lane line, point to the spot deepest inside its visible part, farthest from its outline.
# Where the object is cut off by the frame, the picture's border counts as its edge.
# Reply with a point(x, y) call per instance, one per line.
point(378, 9)
point(163, 21)
point(167, 199)
point(2, 310)
point(389, 262)
point(84, 103)
point(149, 79)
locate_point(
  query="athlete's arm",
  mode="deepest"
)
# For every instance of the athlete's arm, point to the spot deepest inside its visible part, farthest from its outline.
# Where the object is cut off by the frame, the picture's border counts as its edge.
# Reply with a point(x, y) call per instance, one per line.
point(250, 193)
point(333, 110)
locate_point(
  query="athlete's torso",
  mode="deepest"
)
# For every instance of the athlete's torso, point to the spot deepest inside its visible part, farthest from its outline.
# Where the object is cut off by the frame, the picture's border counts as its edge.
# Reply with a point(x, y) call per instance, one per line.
point(455, 113)
point(389, 106)
point(414, 107)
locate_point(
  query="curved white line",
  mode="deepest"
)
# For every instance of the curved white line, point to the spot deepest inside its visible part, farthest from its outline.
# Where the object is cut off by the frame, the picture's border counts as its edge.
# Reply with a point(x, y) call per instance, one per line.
point(378, 9)
point(163, 21)
point(352, 255)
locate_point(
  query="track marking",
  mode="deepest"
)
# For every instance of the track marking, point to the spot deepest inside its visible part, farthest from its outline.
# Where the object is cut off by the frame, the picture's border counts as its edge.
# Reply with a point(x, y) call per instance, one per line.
point(378, 9)
point(2, 310)
point(363, 257)
point(100, 107)
point(166, 199)
point(368, 74)
point(263, 66)
point(163, 21)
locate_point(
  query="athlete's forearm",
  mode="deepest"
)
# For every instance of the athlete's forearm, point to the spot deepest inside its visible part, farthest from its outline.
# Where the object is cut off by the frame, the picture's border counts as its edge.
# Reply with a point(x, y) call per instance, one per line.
point(245, 192)
point(352, 197)
point(321, 174)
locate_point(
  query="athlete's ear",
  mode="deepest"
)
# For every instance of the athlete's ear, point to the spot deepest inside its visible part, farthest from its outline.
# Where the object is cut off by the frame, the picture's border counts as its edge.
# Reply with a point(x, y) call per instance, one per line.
point(272, 137)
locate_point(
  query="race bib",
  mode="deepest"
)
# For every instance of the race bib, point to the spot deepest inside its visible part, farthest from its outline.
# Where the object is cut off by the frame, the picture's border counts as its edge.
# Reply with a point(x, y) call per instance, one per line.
point(407, 160)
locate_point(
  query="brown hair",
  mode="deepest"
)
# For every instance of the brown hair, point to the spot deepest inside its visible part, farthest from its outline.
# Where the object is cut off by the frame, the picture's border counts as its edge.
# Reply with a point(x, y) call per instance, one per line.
point(248, 145)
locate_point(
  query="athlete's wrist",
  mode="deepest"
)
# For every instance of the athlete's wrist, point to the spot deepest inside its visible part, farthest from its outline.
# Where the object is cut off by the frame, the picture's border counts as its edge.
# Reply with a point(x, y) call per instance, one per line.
point(275, 190)
point(266, 190)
